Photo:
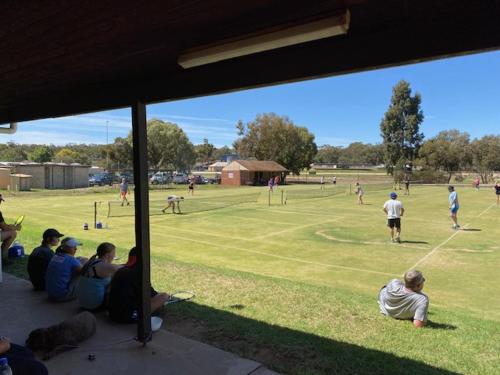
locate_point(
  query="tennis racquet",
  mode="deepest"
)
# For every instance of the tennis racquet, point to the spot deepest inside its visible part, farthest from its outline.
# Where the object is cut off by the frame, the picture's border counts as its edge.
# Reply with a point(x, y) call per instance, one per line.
point(19, 220)
point(180, 296)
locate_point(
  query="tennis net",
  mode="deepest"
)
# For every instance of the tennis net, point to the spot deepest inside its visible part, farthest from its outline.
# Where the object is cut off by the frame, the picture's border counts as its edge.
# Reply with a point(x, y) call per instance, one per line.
point(188, 205)
point(313, 192)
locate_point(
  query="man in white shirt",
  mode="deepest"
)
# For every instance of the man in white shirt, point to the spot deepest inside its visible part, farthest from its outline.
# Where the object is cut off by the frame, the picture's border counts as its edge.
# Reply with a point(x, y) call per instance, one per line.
point(394, 210)
point(172, 200)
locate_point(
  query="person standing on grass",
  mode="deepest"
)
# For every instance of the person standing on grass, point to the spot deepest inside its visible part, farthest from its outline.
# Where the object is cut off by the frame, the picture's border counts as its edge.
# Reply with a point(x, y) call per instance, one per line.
point(191, 186)
point(270, 183)
point(40, 257)
point(359, 192)
point(454, 206)
point(8, 234)
point(407, 186)
point(405, 300)
point(477, 181)
point(394, 210)
point(124, 191)
point(277, 180)
point(497, 191)
point(334, 180)
point(322, 182)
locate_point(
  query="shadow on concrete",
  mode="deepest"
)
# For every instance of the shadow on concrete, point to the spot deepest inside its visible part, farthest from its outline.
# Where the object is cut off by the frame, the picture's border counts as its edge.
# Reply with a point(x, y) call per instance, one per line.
point(286, 350)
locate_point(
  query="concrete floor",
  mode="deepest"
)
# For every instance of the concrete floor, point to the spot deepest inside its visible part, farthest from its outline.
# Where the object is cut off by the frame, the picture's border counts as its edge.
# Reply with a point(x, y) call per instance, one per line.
point(22, 310)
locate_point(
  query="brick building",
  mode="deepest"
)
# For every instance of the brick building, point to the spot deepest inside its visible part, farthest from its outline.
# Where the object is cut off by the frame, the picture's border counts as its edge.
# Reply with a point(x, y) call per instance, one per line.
point(251, 172)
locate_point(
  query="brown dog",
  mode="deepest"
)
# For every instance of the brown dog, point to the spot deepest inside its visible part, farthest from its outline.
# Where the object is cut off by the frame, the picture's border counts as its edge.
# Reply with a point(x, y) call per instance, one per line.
point(63, 336)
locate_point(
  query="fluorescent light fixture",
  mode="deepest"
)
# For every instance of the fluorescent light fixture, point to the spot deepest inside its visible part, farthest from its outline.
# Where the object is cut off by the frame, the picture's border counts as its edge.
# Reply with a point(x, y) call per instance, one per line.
point(325, 28)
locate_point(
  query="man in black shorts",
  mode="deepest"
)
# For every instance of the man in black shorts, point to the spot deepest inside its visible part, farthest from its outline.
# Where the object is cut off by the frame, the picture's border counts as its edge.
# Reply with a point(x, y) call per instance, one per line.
point(394, 210)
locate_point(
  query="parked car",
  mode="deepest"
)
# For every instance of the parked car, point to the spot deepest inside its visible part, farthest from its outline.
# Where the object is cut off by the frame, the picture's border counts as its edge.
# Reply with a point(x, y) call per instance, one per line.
point(200, 180)
point(180, 179)
point(101, 179)
point(160, 178)
point(129, 177)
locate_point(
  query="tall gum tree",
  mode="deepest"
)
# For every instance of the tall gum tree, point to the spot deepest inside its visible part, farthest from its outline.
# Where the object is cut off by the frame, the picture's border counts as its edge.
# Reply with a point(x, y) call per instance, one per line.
point(400, 129)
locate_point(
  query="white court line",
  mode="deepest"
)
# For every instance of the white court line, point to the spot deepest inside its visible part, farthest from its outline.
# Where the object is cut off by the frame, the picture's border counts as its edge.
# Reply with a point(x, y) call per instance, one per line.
point(436, 248)
point(297, 228)
point(277, 256)
point(486, 210)
point(453, 235)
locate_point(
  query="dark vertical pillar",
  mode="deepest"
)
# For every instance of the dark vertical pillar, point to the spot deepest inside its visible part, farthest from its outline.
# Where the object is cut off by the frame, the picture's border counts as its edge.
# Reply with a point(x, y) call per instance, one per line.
point(141, 196)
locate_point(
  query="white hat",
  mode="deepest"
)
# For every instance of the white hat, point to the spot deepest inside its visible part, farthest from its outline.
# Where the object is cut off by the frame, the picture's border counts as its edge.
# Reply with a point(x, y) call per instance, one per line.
point(71, 242)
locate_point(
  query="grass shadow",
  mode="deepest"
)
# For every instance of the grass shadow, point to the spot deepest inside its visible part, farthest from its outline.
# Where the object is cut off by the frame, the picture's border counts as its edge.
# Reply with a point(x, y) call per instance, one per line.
point(435, 325)
point(471, 229)
point(416, 242)
point(286, 350)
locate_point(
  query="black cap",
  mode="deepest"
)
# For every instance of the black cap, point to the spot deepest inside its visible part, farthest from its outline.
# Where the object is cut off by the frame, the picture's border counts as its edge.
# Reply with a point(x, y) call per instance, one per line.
point(52, 233)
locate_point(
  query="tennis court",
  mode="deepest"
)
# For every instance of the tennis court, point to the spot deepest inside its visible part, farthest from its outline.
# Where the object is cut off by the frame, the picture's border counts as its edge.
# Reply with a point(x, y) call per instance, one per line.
point(318, 241)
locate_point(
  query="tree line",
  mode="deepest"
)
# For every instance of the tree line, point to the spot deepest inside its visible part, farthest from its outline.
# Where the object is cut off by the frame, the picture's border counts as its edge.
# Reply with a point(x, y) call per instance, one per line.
point(404, 150)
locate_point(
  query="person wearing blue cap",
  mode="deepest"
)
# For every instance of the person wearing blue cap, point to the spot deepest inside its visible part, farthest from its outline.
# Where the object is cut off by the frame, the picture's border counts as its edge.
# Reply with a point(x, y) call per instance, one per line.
point(394, 210)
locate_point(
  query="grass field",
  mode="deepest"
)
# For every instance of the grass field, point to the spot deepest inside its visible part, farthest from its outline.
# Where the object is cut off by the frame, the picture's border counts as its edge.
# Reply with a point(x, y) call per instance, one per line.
point(295, 285)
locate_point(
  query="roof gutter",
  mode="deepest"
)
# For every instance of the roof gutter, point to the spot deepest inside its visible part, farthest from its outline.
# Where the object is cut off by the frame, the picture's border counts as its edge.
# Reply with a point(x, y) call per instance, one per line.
point(10, 130)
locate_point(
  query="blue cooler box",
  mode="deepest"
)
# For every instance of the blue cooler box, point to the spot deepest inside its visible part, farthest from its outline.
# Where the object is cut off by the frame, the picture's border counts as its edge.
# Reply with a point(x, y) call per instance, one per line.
point(16, 251)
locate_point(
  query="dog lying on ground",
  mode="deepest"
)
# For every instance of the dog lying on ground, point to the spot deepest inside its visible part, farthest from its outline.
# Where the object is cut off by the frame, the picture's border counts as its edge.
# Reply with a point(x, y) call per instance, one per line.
point(64, 336)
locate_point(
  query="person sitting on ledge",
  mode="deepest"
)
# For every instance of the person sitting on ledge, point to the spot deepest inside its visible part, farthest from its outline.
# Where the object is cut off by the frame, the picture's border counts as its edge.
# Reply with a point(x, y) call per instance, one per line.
point(95, 277)
point(405, 300)
point(123, 298)
point(64, 271)
point(20, 359)
point(40, 257)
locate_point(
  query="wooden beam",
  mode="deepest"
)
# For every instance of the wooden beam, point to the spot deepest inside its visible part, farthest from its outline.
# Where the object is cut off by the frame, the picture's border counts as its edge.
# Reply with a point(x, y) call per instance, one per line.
point(425, 30)
point(141, 196)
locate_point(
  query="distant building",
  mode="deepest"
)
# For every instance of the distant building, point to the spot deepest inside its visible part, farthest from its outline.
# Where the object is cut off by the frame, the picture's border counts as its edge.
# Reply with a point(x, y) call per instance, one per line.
point(217, 166)
point(52, 175)
point(251, 172)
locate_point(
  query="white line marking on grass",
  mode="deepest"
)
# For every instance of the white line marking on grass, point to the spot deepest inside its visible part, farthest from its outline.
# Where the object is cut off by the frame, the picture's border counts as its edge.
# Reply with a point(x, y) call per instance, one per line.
point(436, 248)
point(486, 210)
point(296, 228)
point(329, 237)
point(453, 235)
point(277, 256)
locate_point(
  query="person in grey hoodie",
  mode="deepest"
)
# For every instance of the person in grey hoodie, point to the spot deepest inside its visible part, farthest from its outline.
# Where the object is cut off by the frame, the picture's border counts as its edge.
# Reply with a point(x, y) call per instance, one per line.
point(405, 300)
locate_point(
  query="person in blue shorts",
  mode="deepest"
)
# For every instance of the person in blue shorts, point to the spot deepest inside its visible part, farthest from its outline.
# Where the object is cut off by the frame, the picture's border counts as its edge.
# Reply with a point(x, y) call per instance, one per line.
point(454, 206)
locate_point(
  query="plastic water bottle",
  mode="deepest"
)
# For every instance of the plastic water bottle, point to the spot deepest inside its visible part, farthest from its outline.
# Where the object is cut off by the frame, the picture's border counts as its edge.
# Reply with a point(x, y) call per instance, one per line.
point(4, 367)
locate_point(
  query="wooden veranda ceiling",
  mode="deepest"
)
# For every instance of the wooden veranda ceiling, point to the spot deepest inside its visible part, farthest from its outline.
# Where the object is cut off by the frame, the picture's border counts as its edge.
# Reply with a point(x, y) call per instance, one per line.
point(65, 57)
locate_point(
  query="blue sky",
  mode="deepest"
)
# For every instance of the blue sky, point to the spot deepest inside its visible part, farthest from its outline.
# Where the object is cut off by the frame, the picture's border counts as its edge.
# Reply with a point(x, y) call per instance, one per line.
point(461, 93)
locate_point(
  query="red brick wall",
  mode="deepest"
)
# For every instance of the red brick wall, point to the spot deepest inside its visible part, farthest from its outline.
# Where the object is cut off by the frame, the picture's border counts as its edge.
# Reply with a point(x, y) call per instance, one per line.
point(226, 180)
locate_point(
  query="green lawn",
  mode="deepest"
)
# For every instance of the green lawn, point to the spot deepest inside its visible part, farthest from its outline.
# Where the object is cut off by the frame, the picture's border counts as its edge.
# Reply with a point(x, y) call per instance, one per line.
point(295, 285)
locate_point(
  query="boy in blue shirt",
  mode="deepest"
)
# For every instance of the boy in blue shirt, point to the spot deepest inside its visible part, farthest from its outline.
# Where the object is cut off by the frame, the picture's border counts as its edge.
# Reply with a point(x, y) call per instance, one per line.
point(63, 272)
point(454, 206)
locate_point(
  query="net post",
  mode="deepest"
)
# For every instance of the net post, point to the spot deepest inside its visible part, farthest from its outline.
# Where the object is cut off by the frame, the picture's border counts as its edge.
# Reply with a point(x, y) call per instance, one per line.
point(282, 196)
point(109, 208)
point(350, 189)
point(269, 198)
point(95, 215)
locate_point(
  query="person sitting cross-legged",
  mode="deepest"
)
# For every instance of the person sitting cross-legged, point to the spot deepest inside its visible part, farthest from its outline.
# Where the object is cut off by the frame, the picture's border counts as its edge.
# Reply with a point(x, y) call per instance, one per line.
point(124, 291)
point(63, 272)
point(405, 300)
point(40, 257)
point(95, 277)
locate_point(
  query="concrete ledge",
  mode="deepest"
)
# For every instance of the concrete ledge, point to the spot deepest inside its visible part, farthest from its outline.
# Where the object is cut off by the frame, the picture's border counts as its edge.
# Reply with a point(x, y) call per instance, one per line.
point(114, 347)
